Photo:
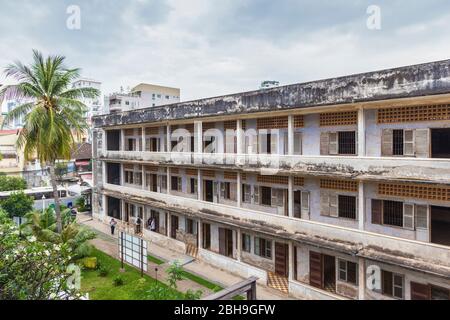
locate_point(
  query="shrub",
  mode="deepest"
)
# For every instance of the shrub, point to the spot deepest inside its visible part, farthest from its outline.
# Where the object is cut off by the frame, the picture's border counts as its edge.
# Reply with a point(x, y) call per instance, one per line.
point(18, 204)
point(103, 271)
point(8, 183)
point(193, 295)
point(90, 263)
point(118, 281)
point(175, 273)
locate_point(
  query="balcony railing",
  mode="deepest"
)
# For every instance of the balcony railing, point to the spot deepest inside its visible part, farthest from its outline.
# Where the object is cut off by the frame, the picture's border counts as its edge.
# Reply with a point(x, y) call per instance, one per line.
point(371, 168)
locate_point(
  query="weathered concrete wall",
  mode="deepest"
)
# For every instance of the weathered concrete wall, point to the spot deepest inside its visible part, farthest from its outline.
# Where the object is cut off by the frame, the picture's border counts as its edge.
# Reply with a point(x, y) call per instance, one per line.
point(409, 81)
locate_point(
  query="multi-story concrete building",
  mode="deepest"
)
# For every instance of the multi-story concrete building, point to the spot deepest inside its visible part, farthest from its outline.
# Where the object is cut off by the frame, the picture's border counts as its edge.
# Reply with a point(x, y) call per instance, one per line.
point(143, 95)
point(338, 188)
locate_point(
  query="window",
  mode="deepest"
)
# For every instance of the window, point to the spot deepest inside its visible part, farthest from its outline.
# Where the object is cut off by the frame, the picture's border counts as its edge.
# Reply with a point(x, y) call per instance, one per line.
point(129, 177)
point(175, 183)
point(266, 196)
point(347, 207)
point(246, 194)
point(190, 226)
point(347, 142)
point(438, 293)
point(226, 190)
point(246, 242)
point(167, 97)
point(193, 186)
point(348, 272)
point(392, 284)
point(263, 248)
point(393, 213)
point(397, 142)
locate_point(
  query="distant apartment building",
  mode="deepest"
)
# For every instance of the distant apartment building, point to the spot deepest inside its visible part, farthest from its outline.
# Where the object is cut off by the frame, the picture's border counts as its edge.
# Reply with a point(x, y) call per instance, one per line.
point(332, 189)
point(141, 96)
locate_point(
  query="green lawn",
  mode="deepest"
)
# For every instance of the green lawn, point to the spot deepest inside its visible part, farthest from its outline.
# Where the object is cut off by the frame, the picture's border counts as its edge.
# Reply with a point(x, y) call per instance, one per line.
point(155, 260)
point(102, 288)
point(201, 281)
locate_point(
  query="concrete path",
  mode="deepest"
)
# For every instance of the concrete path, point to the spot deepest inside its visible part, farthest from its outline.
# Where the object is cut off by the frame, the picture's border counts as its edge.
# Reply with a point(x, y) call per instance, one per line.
point(108, 244)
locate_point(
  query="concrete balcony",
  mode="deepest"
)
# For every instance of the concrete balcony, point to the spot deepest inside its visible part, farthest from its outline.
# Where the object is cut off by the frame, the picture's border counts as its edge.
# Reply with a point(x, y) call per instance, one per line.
point(362, 168)
point(419, 256)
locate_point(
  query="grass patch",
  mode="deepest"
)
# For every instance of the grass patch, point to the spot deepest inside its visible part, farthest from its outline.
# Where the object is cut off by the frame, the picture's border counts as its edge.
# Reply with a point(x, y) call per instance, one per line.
point(208, 284)
point(155, 260)
point(203, 282)
point(103, 288)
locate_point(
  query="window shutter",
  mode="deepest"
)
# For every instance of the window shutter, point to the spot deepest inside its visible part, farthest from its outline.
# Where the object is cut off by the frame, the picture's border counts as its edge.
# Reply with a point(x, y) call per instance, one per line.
point(334, 205)
point(247, 193)
point(256, 194)
point(222, 190)
point(408, 142)
point(222, 241)
point(422, 143)
point(324, 203)
point(280, 197)
point(421, 217)
point(274, 197)
point(420, 291)
point(195, 186)
point(247, 144)
point(233, 190)
point(180, 184)
point(333, 146)
point(263, 143)
point(297, 143)
point(274, 143)
point(377, 211)
point(324, 143)
point(408, 216)
point(229, 143)
point(305, 204)
point(216, 189)
point(387, 142)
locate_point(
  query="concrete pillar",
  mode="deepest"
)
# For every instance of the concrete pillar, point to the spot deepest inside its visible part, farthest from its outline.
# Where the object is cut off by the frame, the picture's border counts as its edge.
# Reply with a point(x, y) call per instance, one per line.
point(291, 135)
point(291, 196)
point(104, 174)
point(239, 136)
point(122, 175)
point(168, 142)
point(239, 244)
point(168, 224)
point(143, 139)
point(198, 141)
point(122, 210)
point(200, 233)
point(239, 189)
point(122, 140)
point(361, 133)
point(143, 176)
point(168, 180)
point(361, 206)
point(291, 261)
point(200, 185)
point(361, 279)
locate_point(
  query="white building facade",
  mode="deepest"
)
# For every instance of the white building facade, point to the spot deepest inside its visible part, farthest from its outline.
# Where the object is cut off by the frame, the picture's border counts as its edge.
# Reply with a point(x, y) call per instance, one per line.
point(334, 189)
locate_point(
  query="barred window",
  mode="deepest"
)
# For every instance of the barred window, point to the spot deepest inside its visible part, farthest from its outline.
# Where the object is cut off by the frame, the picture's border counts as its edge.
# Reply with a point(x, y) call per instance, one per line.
point(347, 142)
point(397, 142)
point(393, 213)
point(347, 207)
point(263, 248)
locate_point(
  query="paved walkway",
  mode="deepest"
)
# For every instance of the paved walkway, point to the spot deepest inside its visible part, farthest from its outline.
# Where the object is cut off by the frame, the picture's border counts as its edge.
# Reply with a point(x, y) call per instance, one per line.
point(107, 243)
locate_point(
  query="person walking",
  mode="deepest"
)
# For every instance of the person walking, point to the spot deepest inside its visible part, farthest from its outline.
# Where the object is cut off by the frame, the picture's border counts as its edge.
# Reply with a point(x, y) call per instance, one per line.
point(138, 225)
point(112, 224)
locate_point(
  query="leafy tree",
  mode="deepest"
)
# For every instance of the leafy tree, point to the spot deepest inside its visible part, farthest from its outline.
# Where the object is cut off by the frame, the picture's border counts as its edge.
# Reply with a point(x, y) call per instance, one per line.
point(32, 270)
point(8, 183)
point(18, 204)
point(55, 115)
point(42, 225)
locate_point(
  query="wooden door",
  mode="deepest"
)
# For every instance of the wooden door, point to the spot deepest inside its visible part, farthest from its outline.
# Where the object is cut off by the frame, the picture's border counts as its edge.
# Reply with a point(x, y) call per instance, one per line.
point(315, 269)
point(229, 242)
point(206, 231)
point(222, 242)
point(209, 193)
point(420, 291)
point(281, 259)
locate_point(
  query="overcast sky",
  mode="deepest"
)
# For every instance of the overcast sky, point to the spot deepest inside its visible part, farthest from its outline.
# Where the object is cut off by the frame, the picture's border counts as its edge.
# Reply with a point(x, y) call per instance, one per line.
point(215, 47)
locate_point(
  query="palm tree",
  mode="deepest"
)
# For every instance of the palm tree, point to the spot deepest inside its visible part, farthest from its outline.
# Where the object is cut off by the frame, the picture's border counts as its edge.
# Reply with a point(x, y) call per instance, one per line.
point(53, 113)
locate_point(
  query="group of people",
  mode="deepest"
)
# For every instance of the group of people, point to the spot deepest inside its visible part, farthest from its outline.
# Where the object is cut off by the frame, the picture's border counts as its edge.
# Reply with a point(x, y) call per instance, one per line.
point(151, 223)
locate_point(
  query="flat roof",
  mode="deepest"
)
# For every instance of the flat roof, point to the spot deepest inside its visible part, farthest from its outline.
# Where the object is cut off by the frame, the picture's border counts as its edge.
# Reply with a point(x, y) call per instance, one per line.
point(425, 79)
